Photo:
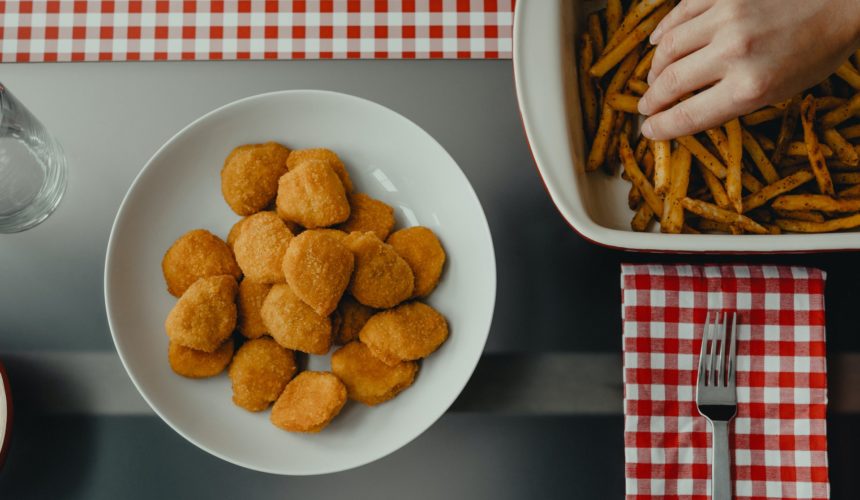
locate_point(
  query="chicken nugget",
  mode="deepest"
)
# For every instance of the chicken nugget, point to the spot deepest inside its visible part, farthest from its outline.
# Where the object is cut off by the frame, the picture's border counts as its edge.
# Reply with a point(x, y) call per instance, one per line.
point(312, 195)
point(348, 319)
point(235, 229)
point(334, 233)
point(318, 268)
point(309, 402)
point(249, 179)
point(367, 379)
point(251, 297)
point(205, 316)
point(381, 279)
point(260, 247)
point(368, 214)
point(407, 332)
point(328, 156)
point(420, 248)
point(293, 324)
point(196, 254)
point(259, 372)
point(192, 363)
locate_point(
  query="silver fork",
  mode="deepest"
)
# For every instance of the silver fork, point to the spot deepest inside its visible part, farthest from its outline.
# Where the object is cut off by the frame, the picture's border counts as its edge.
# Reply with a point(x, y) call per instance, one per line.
point(717, 397)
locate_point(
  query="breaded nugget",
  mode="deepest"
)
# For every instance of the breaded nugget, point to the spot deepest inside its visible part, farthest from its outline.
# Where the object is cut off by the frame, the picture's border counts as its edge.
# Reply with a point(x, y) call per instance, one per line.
point(192, 363)
point(312, 195)
point(196, 254)
point(318, 268)
point(408, 332)
point(420, 248)
point(235, 229)
point(251, 297)
point(205, 316)
point(367, 379)
point(249, 179)
point(348, 319)
point(259, 373)
point(381, 279)
point(293, 324)
point(334, 233)
point(368, 214)
point(328, 156)
point(260, 247)
point(309, 403)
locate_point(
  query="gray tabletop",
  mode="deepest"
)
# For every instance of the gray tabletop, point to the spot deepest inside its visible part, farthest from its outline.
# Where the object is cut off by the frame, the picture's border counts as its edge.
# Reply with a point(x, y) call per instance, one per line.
point(541, 418)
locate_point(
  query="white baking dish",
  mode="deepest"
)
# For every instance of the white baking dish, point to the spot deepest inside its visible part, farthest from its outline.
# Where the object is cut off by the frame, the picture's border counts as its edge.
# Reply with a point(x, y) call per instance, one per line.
point(593, 204)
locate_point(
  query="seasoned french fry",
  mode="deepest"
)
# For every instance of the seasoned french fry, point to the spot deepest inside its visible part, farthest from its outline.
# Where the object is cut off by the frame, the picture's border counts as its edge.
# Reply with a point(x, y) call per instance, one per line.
point(846, 178)
point(851, 132)
point(634, 198)
point(777, 188)
point(720, 142)
point(826, 87)
point(703, 155)
point(765, 142)
point(673, 212)
point(662, 166)
point(842, 113)
point(718, 192)
point(786, 129)
point(621, 126)
point(733, 174)
point(847, 72)
point(798, 226)
point(773, 228)
point(642, 219)
point(637, 86)
point(614, 12)
point(713, 212)
point(813, 149)
point(761, 116)
point(712, 226)
point(595, 30)
point(637, 177)
point(821, 103)
point(633, 17)
point(851, 192)
point(612, 58)
point(597, 154)
point(807, 215)
point(843, 149)
point(644, 65)
point(641, 148)
point(750, 183)
point(688, 229)
point(623, 102)
point(819, 202)
point(587, 93)
point(796, 148)
point(765, 167)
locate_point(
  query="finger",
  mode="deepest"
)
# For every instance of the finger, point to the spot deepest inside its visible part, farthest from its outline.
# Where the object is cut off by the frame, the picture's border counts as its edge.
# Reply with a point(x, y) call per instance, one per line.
point(683, 77)
point(683, 12)
point(680, 42)
point(703, 111)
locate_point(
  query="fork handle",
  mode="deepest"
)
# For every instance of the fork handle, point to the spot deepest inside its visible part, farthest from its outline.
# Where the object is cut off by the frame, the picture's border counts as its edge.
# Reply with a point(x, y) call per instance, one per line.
point(721, 476)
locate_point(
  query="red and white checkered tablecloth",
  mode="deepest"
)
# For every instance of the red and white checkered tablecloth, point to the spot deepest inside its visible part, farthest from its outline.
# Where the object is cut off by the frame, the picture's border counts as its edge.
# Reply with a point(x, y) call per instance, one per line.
point(779, 437)
point(107, 30)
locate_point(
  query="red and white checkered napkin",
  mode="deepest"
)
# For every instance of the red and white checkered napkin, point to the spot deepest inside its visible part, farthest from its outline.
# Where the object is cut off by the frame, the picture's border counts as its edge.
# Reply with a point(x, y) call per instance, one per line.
point(779, 437)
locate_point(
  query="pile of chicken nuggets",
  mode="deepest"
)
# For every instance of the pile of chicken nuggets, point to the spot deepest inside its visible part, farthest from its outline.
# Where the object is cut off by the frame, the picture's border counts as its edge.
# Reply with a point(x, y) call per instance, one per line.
point(311, 264)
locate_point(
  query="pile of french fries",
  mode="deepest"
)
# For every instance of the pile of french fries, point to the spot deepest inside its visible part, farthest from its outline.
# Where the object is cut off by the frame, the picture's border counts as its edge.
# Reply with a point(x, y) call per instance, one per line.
point(790, 167)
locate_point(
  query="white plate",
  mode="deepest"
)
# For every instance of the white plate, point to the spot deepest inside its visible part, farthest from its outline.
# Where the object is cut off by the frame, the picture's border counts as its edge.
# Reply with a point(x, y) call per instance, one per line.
point(390, 158)
point(594, 204)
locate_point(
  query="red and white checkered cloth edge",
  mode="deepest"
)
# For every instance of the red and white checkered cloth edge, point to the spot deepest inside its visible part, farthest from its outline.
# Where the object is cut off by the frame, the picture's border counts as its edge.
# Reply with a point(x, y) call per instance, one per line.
point(779, 436)
point(109, 30)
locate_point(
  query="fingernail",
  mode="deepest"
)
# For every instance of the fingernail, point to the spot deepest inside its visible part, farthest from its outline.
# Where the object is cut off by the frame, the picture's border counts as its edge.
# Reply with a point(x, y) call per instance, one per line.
point(646, 129)
point(643, 106)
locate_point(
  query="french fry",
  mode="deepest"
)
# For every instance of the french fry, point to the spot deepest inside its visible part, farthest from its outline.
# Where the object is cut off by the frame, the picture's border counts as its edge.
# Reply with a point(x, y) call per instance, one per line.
point(637, 177)
point(842, 113)
point(688, 229)
point(702, 154)
point(786, 129)
point(662, 165)
point(641, 148)
point(734, 163)
point(829, 226)
point(847, 72)
point(587, 93)
point(623, 102)
point(765, 167)
point(762, 116)
point(634, 198)
point(720, 142)
point(765, 142)
point(595, 30)
point(826, 87)
point(850, 132)
point(821, 103)
point(807, 215)
point(600, 145)
point(843, 149)
point(797, 148)
point(760, 215)
point(846, 178)
point(718, 192)
point(712, 226)
point(642, 219)
point(644, 65)
point(637, 86)
point(612, 149)
point(673, 212)
point(851, 192)
point(750, 183)
point(777, 188)
point(819, 202)
point(614, 12)
point(612, 58)
point(633, 17)
point(713, 212)
point(813, 149)
point(773, 228)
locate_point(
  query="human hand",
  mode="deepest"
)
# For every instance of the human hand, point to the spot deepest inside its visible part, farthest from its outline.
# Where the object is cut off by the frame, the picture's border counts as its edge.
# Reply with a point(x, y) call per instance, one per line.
point(750, 52)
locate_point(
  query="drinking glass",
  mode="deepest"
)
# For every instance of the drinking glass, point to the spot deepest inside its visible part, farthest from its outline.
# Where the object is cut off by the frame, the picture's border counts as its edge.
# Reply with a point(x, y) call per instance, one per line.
point(32, 167)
